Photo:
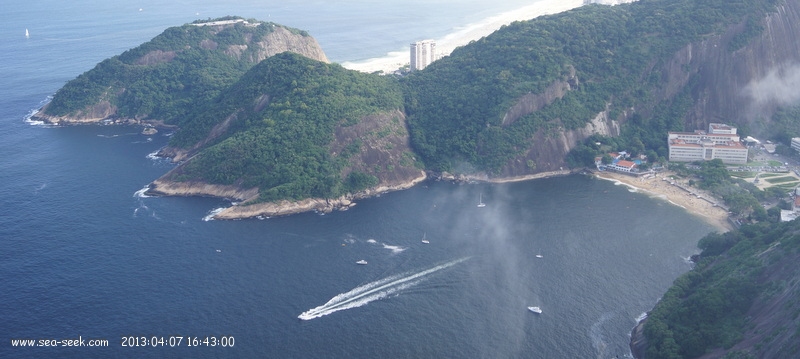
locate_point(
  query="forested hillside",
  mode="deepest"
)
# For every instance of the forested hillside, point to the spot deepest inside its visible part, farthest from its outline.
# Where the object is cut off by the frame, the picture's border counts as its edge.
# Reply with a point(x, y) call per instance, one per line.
point(742, 300)
point(166, 77)
point(610, 57)
point(283, 116)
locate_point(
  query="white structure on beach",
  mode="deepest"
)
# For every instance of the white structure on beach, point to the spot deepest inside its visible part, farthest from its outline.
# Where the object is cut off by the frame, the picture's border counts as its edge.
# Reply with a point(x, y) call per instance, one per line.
point(721, 141)
point(422, 54)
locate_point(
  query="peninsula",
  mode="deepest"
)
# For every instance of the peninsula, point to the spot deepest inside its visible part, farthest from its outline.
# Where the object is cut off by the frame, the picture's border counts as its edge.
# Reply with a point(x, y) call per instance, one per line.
point(263, 118)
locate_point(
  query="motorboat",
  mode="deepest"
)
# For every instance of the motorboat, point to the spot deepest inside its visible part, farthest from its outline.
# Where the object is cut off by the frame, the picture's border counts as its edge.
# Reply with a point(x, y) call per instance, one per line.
point(424, 239)
point(536, 310)
point(362, 262)
point(480, 201)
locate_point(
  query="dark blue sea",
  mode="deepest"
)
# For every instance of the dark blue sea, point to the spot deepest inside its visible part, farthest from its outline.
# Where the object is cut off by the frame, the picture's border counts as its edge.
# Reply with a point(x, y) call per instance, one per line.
point(84, 255)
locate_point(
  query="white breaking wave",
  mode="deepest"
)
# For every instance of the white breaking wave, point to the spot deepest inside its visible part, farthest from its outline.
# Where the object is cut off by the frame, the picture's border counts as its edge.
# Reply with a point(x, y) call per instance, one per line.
point(373, 291)
point(34, 111)
point(641, 317)
point(142, 193)
point(153, 155)
point(212, 213)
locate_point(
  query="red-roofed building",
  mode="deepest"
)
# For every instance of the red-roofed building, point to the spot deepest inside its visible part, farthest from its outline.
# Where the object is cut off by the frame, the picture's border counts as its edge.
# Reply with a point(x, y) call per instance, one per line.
point(622, 166)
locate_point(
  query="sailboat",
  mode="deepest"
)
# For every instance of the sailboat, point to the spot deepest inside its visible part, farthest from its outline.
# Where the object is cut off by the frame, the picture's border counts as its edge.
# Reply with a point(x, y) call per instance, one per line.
point(27, 34)
point(424, 239)
point(480, 201)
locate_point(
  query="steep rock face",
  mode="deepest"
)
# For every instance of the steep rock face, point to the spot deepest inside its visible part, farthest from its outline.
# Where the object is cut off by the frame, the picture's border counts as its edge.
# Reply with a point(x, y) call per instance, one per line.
point(281, 40)
point(530, 103)
point(549, 148)
point(385, 151)
point(721, 91)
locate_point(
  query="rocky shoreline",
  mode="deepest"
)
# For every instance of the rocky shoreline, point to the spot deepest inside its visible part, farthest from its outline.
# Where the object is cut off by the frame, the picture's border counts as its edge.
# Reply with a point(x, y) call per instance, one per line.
point(244, 210)
point(638, 342)
point(149, 127)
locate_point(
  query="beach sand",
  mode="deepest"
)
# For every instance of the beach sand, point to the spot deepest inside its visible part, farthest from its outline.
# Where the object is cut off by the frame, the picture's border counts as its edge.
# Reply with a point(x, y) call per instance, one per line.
point(462, 36)
point(656, 186)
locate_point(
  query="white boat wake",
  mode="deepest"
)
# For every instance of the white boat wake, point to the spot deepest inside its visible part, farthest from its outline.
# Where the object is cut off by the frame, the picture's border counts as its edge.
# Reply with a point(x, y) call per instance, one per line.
point(373, 291)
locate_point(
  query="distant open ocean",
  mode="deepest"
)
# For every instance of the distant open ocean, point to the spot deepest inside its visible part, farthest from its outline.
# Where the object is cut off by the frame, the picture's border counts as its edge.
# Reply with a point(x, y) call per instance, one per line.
point(84, 255)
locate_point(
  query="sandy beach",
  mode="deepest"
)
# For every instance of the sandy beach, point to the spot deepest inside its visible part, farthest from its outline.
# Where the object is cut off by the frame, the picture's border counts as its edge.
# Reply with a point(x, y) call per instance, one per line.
point(475, 31)
point(657, 187)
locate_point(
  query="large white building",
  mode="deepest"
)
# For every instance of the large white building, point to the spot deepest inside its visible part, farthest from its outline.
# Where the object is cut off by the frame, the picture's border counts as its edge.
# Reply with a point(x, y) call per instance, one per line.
point(796, 143)
point(721, 141)
point(422, 54)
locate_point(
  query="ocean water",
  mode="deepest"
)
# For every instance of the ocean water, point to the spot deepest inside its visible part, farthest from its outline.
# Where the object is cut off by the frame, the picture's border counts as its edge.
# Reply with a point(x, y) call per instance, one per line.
point(85, 255)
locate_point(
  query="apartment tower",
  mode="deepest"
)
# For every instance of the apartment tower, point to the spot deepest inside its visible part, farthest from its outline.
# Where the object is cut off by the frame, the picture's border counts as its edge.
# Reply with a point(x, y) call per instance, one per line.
point(422, 54)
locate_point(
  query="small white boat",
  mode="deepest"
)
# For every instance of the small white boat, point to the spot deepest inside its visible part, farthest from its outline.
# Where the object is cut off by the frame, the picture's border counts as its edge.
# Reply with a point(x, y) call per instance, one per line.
point(424, 239)
point(536, 310)
point(480, 201)
point(27, 34)
point(539, 256)
point(362, 262)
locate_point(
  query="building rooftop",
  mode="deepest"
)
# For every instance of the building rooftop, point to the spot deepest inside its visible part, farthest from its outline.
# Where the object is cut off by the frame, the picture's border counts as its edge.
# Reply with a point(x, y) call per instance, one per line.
point(624, 163)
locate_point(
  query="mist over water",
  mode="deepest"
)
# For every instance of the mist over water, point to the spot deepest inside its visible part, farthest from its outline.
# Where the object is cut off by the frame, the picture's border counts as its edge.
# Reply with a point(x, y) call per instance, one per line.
point(85, 253)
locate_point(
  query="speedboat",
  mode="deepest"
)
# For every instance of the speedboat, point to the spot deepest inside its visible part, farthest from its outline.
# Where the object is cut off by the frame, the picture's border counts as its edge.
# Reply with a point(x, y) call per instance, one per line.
point(362, 262)
point(536, 310)
point(425, 239)
point(480, 201)
point(539, 256)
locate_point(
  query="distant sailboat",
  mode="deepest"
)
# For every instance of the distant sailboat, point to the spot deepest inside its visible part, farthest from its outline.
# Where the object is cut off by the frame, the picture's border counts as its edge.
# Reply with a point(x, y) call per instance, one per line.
point(424, 239)
point(27, 34)
point(480, 201)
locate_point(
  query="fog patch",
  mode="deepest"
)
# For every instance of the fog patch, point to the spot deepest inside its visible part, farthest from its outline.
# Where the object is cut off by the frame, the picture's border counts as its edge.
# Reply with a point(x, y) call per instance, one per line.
point(780, 87)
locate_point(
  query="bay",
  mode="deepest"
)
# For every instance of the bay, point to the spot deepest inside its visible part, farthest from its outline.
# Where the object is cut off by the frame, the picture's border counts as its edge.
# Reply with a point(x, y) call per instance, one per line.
point(84, 255)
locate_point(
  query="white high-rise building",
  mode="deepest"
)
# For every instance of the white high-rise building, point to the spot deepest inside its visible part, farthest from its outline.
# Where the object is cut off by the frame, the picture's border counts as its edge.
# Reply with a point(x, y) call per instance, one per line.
point(422, 54)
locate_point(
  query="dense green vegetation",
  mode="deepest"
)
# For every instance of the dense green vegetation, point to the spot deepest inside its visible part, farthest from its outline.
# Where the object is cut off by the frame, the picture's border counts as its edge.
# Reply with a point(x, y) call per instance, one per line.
point(609, 57)
point(456, 106)
point(707, 307)
point(167, 77)
point(283, 148)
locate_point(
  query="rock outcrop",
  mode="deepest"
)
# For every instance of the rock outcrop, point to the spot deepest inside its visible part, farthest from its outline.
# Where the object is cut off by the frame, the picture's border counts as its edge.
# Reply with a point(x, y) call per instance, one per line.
point(282, 39)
